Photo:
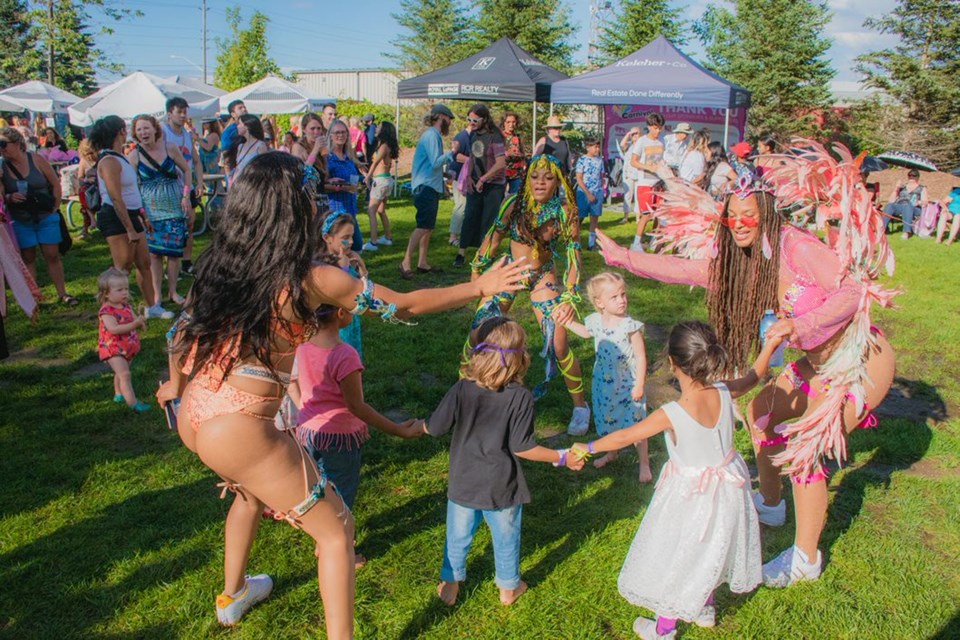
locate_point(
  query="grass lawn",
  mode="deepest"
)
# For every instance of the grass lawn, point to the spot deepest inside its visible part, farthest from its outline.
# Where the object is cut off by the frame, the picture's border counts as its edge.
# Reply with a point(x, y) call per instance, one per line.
point(109, 528)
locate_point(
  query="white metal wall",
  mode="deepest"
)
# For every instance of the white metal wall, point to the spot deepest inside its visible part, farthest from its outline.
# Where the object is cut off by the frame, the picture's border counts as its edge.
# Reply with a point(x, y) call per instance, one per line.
point(376, 85)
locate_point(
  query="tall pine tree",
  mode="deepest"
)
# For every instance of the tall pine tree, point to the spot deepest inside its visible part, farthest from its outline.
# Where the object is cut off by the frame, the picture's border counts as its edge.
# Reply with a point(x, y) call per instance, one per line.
point(436, 33)
point(75, 55)
point(636, 24)
point(921, 75)
point(244, 56)
point(19, 60)
point(541, 27)
point(776, 49)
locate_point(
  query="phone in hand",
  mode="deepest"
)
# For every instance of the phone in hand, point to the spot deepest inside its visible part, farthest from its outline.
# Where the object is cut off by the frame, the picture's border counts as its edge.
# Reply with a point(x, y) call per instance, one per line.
point(171, 409)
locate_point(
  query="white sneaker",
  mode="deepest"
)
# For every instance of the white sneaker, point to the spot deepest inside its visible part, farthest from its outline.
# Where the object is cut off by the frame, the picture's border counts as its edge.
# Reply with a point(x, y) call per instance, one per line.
point(579, 421)
point(384, 241)
point(157, 311)
point(647, 629)
point(790, 567)
point(255, 589)
point(771, 516)
point(369, 246)
point(707, 617)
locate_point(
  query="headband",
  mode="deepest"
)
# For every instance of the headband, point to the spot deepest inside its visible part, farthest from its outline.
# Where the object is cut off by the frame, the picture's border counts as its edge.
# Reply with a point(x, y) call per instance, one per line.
point(331, 218)
point(546, 162)
point(489, 346)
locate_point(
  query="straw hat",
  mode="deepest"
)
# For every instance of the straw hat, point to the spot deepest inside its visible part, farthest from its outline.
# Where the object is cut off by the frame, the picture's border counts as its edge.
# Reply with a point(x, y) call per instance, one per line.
point(553, 122)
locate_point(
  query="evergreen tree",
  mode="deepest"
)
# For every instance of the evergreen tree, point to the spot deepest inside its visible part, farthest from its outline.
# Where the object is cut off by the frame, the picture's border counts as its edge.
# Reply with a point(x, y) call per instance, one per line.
point(541, 27)
point(244, 57)
point(776, 49)
point(921, 75)
point(19, 60)
point(436, 33)
point(636, 24)
point(75, 55)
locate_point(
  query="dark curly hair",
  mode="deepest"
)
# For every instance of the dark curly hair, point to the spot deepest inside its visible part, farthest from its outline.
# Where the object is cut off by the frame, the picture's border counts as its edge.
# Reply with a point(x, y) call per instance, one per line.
point(744, 283)
point(257, 262)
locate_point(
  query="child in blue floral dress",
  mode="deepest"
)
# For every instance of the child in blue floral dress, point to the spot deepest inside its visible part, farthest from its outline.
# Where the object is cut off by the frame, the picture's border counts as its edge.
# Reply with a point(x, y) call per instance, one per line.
point(620, 368)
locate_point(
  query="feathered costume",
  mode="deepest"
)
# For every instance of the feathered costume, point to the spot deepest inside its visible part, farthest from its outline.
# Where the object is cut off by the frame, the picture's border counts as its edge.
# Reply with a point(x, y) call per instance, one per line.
point(829, 286)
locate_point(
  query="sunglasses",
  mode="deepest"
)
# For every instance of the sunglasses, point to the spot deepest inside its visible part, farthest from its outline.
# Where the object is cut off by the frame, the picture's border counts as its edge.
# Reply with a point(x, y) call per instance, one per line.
point(474, 120)
point(3, 144)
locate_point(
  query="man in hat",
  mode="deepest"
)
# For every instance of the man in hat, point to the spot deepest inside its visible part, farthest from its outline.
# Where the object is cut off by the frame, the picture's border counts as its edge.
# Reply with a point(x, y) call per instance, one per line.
point(554, 144)
point(740, 160)
point(675, 146)
point(427, 184)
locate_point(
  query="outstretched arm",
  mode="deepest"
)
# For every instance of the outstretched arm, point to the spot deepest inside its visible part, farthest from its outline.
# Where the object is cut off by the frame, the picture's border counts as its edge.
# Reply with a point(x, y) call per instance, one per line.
point(351, 387)
point(655, 423)
point(775, 335)
point(667, 269)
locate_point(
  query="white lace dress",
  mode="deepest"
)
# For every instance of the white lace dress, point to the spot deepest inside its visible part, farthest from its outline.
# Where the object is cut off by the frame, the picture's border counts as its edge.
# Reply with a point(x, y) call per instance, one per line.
point(701, 528)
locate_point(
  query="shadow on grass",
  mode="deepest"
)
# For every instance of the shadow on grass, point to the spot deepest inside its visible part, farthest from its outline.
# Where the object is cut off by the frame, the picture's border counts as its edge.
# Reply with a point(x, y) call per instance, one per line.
point(66, 583)
point(950, 631)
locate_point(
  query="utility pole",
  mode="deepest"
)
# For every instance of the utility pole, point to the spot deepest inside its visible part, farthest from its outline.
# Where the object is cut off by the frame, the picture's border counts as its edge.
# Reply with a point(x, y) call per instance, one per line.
point(50, 32)
point(204, 9)
point(600, 12)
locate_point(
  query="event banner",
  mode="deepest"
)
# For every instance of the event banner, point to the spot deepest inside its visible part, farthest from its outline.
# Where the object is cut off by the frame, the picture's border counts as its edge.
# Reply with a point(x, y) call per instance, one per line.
point(620, 118)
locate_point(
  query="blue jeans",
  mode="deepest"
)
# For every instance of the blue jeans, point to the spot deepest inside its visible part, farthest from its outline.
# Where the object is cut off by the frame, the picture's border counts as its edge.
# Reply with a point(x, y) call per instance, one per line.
point(905, 211)
point(342, 467)
point(462, 523)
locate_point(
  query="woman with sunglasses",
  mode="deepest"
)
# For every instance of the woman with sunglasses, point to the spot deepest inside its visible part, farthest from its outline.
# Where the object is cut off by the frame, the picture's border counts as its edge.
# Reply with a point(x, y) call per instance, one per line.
point(343, 179)
point(32, 195)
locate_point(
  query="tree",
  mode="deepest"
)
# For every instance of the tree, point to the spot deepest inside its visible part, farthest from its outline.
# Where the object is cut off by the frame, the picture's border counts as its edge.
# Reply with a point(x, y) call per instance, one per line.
point(75, 55)
point(243, 57)
point(541, 27)
point(437, 33)
point(776, 49)
point(19, 60)
point(636, 24)
point(921, 75)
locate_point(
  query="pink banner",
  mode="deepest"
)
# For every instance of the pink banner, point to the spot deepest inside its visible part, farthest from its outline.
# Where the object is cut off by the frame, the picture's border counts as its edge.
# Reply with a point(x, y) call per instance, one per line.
point(620, 118)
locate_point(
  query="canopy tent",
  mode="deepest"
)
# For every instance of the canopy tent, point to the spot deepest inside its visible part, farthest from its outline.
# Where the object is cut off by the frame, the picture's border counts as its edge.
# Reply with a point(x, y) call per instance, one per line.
point(275, 95)
point(6, 105)
point(198, 84)
point(659, 74)
point(38, 97)
point(139, 93)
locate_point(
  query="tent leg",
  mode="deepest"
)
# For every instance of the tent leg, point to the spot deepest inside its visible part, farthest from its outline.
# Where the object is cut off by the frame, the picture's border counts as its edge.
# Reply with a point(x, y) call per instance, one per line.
point(396, 165)
point(533, 145)
point(551, 108)
point(726, 128)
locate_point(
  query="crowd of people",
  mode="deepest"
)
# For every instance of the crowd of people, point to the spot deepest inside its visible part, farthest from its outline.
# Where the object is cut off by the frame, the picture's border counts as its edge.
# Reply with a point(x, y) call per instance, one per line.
point(266, 354)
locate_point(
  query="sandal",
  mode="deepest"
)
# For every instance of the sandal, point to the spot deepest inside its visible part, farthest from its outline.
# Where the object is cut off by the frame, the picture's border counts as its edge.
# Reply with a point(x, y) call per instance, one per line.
point(69, 300)
point(405, 274)
point(433, 270)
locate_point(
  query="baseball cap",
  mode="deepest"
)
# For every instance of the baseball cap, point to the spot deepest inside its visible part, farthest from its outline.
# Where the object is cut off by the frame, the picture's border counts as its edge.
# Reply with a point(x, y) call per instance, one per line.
point(442, 110)
point(368, 118)
point(741, 149)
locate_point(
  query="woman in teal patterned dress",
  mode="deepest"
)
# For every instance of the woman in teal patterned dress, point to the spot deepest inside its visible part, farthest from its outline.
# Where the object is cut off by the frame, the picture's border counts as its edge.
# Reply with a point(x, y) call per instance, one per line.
point(166, 197)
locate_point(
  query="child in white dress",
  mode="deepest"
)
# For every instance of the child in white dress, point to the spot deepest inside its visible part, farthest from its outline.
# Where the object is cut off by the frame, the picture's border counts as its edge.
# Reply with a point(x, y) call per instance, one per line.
point(701, 528)
point(620, 368)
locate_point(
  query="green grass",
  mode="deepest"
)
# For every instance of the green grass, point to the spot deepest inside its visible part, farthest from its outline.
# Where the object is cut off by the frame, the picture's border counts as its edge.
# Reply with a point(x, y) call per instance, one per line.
point(109, 528)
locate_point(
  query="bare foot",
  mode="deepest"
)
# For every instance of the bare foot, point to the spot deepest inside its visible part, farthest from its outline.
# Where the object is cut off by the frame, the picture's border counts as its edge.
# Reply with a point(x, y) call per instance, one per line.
point(509, 596)
point(448, 591)
point(358, 560)
point(645, 474)
point(603, 461)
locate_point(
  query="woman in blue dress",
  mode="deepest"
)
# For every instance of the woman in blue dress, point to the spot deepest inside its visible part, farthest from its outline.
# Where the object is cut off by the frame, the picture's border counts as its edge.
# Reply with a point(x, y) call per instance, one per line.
point(343, 176)
point(165, 184)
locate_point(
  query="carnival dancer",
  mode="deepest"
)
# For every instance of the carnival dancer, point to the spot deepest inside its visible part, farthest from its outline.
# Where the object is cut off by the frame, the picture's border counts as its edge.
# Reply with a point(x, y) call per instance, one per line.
point(823, 295)
point(251, 305)
point(541, 229)
point(700, 529)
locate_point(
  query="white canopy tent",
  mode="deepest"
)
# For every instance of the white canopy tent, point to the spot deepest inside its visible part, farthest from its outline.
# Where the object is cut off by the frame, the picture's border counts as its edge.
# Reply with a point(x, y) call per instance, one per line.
point(38, 97)
point(276, 95)
point(6, 105)
point(198, 84)
point(139, 93)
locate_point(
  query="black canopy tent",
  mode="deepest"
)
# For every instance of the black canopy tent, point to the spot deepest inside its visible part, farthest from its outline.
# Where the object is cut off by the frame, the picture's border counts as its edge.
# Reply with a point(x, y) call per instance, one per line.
point(501, 72)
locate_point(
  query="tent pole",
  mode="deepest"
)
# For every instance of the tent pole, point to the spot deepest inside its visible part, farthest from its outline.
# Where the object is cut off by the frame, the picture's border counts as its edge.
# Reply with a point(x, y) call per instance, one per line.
point(396, 165)
point(726, 129)
point(551, 107)
point(533, 145)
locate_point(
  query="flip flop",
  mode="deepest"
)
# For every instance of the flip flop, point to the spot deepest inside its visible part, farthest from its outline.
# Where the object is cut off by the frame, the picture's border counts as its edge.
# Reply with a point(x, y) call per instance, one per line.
point(405, 274)
point(69, 300)
point(433, 270)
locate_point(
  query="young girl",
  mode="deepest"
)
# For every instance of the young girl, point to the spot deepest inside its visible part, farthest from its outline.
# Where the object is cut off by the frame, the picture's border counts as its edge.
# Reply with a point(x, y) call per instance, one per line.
point(493, 414)
point(620, 370)
point(337, 230)
point(701, 527)
point(327, 388)
point(118, 339)
point(590, 173)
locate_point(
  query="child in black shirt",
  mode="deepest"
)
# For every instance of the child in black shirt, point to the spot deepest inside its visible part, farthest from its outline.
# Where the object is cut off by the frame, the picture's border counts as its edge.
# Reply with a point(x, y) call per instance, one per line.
point(493, 414)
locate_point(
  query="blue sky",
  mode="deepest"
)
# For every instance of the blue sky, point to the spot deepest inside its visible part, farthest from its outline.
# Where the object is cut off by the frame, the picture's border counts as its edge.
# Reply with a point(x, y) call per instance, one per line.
point(334, 34)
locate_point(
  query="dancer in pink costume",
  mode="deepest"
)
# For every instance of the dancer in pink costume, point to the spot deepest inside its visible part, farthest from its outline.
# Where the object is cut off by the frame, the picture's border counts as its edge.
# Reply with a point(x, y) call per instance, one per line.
point(822, 295)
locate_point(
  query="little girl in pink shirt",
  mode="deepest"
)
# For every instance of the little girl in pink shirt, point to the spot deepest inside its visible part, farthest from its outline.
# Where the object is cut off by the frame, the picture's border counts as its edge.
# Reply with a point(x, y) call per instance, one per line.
point(327, 388)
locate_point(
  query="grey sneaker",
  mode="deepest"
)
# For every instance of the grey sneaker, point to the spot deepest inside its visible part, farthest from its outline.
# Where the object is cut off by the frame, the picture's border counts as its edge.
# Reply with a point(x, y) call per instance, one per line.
point(790, 567)
point(770, 516)
point(255, 589)
point(157, 311)
point(647, 629)
point(579, 421)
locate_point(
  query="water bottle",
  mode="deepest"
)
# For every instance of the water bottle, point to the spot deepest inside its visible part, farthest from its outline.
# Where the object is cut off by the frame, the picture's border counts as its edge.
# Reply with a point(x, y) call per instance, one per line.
point(768, 320)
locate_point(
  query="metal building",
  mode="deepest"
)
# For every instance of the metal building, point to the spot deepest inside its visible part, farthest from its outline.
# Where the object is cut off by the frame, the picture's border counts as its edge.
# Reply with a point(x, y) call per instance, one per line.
point(376, 85)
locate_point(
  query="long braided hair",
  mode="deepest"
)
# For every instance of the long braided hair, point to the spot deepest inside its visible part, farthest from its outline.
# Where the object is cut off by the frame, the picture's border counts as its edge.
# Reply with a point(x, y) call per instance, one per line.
point(744, 283)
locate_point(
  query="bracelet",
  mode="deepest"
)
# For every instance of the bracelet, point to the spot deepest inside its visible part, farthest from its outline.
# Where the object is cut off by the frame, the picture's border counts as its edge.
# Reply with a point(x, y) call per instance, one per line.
point(312, 158)
point(562, 462)
point(590, 447)
point(481, 263)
